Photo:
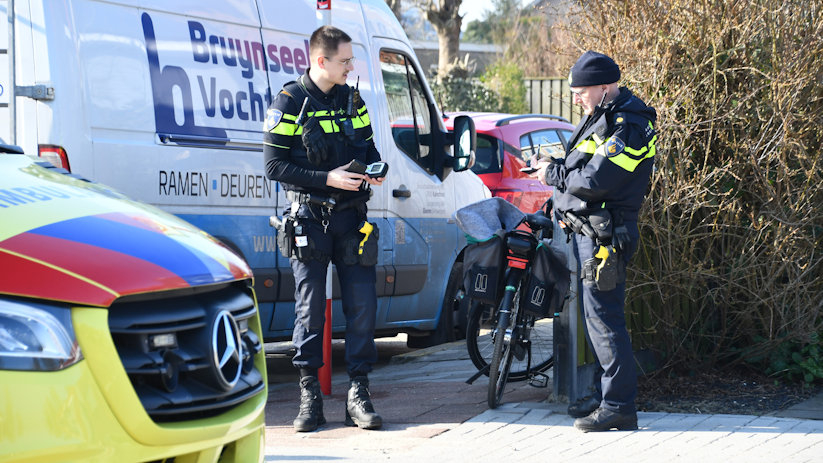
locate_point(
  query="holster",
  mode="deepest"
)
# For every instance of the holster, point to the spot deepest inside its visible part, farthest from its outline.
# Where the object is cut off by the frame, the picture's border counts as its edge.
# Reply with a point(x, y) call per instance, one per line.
point(359, 248)
point(294, 241)
point(605, 270)
point(285, 236)
point(597, 225)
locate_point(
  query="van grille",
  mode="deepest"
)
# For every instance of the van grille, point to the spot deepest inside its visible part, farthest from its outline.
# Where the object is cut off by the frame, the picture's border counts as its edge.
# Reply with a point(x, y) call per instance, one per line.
point(176, 349)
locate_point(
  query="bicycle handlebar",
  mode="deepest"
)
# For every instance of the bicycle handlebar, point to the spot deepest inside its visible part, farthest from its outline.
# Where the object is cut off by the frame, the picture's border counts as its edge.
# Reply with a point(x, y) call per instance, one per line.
point(538, 221)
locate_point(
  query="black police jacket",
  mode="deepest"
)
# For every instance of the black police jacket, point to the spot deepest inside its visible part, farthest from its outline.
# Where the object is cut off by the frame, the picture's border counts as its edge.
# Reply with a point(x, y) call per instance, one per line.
point(285, 154)
point(609, 160)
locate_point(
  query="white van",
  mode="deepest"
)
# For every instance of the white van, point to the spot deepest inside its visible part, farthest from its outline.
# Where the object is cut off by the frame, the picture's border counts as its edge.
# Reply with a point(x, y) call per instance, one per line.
point(165, 101)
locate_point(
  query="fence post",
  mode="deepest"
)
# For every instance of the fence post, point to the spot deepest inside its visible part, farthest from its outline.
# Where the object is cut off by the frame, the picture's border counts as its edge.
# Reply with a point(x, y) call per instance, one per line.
point(551, 96)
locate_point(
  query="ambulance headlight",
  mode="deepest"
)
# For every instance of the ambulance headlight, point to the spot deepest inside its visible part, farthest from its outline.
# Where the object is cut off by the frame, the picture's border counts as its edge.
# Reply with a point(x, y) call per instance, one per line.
point(36, 337)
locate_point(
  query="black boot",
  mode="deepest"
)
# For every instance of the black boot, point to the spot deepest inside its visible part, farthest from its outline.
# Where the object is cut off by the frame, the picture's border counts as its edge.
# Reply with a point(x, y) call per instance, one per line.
point(584, 407)
point(311, 406)
point(605, 420)
point(359, 409)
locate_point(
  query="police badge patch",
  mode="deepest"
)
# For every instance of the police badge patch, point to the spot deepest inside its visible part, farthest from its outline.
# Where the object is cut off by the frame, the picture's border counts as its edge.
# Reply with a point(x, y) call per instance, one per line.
point(613, 146)
point(273, 117)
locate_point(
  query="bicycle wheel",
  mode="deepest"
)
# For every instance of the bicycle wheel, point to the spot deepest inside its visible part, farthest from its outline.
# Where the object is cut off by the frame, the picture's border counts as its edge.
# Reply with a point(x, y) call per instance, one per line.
point(480, 346)
point(502, 358)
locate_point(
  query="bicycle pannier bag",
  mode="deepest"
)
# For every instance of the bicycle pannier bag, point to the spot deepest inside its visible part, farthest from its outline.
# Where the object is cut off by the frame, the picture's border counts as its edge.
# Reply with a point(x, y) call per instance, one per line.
point(484, 265)
point(548, 282)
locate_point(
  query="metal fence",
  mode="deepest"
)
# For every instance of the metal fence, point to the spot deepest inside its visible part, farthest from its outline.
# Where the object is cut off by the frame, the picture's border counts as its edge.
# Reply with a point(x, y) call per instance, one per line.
point(551, 96)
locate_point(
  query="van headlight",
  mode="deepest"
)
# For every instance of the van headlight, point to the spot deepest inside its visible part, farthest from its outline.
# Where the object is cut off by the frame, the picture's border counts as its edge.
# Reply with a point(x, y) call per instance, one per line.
point(36, 337)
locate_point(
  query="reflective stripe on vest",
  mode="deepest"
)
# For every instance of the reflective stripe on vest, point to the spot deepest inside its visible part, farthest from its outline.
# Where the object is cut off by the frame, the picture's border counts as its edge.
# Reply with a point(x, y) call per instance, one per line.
point(586, 146)
point(328, 124)
point(630, 158)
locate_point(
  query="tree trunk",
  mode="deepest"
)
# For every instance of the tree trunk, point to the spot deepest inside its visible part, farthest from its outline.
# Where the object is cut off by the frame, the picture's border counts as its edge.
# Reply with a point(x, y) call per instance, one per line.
point(395, 6)
point(444, 17)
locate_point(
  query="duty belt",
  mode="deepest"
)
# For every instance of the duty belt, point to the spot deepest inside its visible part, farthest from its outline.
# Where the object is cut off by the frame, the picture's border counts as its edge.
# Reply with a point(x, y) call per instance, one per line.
point(597, 225)
point(323, 201)
point(311, 198)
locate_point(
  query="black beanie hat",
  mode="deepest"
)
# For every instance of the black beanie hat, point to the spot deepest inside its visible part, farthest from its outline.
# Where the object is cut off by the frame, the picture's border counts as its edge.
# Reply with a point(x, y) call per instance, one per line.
point(593, 69)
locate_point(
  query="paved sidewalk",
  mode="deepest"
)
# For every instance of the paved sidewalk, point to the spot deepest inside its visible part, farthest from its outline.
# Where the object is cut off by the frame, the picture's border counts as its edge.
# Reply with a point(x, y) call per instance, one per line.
point(430, 413)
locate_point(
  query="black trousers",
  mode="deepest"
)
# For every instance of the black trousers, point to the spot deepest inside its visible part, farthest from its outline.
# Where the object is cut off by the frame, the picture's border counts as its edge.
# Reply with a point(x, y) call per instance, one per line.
point(606, 327)
point(357, 285)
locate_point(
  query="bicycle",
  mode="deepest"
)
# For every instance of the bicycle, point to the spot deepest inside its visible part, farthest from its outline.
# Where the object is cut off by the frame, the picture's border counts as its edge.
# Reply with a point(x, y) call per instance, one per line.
point(506, 341)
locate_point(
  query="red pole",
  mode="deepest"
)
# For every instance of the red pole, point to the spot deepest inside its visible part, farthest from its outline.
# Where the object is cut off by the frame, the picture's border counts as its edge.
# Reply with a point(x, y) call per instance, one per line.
point(324, 373)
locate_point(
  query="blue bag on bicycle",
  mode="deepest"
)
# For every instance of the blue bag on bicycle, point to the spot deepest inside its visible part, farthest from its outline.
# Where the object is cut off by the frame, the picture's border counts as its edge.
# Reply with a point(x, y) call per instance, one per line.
point(484, 259)
point(548, 282)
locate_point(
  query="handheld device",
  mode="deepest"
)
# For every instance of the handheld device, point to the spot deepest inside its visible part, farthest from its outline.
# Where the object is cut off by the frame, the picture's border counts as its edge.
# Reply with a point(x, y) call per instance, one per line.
point(377, 169)
point(528, 169)
point(357, 167)
point(373, 170)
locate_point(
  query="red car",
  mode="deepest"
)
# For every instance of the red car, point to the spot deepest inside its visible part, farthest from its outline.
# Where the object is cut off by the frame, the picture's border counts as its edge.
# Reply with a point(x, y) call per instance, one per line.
point(505, 142)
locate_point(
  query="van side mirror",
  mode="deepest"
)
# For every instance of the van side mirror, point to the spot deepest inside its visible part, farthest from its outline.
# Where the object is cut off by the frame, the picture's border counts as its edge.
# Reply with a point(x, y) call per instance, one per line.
point(465, 143)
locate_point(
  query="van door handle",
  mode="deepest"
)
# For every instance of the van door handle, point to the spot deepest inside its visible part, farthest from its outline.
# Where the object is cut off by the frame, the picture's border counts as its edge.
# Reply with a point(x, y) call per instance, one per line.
point(401, 193)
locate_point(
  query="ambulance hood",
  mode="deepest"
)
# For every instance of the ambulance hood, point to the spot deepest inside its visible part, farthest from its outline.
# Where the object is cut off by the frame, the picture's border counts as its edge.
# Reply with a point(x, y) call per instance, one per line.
point(66, 239)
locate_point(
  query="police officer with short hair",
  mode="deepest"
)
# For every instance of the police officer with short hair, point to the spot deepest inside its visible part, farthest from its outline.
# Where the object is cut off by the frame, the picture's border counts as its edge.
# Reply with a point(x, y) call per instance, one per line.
point(599, 188)
point(316, 128)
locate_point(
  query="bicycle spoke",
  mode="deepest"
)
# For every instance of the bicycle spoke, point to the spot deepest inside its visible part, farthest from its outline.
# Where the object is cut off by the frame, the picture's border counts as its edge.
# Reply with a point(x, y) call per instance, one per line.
point(480, 345)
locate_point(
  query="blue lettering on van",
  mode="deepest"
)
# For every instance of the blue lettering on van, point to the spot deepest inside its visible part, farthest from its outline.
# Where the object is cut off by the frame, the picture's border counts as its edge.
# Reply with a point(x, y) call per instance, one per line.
point(228, 103)
point(172, 85)
point(249, 55)
point(284, 57)
point(163, 82)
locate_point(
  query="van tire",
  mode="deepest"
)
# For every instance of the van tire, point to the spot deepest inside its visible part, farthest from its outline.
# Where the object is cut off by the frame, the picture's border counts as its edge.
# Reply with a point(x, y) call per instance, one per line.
point(449, 328)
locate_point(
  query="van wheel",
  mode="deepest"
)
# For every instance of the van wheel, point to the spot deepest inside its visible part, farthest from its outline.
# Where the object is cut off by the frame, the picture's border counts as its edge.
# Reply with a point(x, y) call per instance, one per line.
point(449, 327)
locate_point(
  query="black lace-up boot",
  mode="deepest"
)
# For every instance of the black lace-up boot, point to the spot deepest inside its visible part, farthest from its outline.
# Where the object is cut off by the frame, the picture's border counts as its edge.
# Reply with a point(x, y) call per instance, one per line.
point(584, 407)
point(311, 406)
point(604, 420)
point(359, 409)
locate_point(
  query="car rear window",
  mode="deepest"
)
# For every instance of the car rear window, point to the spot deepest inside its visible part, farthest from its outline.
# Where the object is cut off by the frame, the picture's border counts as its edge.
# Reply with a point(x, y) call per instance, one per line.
point(544, 143)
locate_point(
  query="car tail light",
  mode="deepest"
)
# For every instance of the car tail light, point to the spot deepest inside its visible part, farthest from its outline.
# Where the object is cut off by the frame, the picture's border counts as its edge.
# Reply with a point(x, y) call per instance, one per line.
point(55, 155)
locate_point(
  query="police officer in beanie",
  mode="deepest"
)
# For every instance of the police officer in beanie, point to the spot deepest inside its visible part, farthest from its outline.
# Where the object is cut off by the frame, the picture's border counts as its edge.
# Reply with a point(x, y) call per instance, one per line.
point(599, 188)
point(317, 139)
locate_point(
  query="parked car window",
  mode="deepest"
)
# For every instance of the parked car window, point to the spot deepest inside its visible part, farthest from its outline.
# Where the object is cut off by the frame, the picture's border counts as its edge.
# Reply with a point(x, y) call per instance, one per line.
point(408, 109)
point(566, 135)
point(544, 143)
point(486, 156)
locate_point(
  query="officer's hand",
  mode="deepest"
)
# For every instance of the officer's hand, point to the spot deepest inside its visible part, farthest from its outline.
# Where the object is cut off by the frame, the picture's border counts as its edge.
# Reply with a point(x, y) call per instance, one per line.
point(344, 180)
point(375, 181)
point(541, 169)
point(621, 238)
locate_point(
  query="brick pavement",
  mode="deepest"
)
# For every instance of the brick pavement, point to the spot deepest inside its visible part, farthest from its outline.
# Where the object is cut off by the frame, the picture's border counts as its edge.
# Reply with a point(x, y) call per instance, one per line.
point(430, 413)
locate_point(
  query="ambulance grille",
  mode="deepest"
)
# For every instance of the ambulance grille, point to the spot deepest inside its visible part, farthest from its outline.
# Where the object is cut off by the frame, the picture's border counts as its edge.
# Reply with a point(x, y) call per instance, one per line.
point(177, 350)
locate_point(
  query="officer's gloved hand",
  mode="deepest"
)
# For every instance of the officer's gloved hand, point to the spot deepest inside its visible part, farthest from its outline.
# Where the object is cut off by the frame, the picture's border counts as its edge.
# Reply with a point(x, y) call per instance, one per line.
point(621, 239)
point(316, 142)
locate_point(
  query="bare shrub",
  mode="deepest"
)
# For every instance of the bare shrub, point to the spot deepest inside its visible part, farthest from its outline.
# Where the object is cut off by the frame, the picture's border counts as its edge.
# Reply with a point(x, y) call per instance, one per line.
point(731, 258)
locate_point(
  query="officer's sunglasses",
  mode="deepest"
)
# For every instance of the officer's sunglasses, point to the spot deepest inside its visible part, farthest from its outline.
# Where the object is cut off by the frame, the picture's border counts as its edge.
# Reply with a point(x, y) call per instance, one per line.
point(344, 62)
